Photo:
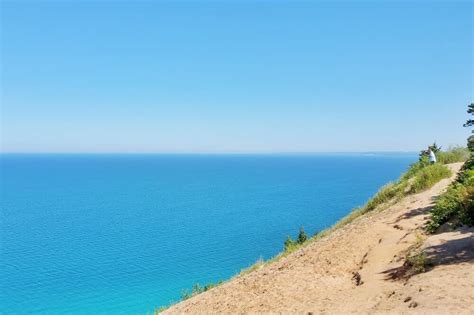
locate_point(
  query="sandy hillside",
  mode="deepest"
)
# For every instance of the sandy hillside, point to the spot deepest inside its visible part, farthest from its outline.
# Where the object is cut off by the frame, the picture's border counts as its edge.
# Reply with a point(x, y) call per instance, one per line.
point(319, 278)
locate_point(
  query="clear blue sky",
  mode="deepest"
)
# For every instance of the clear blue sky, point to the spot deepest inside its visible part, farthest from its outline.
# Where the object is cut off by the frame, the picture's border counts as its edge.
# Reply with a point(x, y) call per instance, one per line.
point(234, 76)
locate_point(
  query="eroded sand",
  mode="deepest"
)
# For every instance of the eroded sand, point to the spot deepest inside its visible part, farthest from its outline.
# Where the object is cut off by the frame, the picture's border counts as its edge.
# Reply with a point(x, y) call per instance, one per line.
point(318, 279)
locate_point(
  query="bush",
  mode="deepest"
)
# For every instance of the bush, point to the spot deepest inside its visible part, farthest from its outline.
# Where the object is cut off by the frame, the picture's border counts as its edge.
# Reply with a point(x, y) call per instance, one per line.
point(468, 165)
point(447, 206)
point(417, 262)
point(290, 245)
point(466, 212)
point(457, 203)
point(302, 237)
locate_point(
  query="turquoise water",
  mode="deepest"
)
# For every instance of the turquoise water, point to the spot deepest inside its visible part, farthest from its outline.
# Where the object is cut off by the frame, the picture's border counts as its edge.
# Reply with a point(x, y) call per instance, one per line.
point(123, 234)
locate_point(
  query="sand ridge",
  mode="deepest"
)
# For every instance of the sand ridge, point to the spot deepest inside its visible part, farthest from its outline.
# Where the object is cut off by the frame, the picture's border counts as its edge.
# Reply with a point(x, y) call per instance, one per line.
point(348, 272)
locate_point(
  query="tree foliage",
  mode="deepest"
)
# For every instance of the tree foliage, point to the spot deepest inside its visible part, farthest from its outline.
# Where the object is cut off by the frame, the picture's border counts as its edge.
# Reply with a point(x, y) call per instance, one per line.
point(469, 123)
point(470, 110)
point(302, 237)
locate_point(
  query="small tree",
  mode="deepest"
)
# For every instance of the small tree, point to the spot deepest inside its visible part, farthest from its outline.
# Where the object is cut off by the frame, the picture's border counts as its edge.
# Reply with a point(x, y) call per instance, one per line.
point(302, 237)
point(470, 110)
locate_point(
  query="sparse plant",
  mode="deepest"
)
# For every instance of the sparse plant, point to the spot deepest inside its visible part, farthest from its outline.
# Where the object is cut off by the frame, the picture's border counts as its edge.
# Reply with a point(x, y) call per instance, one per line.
point(257, 265)
point(198, 289)
point(161, 309)
point(419, 239)
point(290, 244)
point(417, 262)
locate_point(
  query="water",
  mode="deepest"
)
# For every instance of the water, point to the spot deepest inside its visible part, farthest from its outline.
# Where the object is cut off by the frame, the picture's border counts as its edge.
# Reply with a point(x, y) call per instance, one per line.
point(123, 234)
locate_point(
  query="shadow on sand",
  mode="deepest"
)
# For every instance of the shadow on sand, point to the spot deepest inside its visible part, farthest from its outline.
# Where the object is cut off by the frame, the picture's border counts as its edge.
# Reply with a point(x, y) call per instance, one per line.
point(445, 249)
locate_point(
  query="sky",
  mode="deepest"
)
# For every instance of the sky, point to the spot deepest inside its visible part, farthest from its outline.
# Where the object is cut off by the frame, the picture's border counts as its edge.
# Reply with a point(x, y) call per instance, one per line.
point(234, 76)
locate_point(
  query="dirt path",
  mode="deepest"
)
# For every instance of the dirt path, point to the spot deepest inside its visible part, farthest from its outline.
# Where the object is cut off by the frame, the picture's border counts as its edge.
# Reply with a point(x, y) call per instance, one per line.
point(319, 278)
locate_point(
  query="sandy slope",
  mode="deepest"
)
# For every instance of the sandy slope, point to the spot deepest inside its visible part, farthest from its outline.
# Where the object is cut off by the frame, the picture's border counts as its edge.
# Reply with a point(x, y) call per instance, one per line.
point(318, 278)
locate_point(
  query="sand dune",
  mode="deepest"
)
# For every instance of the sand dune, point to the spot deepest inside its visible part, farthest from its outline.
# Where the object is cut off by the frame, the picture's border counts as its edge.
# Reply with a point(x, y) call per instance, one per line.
point(351, 270)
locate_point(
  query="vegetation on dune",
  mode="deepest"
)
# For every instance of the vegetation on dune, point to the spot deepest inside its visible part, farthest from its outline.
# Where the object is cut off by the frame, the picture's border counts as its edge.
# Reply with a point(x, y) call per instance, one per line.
point(457, 154)
point(290, 244)
point(456, 205)
point(186, 294)
point(415, 261)
point(197, 289)
point(428, 176)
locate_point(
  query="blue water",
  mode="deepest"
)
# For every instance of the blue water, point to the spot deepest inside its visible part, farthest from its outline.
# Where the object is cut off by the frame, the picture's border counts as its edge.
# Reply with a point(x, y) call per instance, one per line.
point(123, 234)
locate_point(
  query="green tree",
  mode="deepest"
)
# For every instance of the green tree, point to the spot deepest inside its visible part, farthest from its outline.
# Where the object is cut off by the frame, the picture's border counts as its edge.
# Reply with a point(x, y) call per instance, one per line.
point(470, 123)
point(470, 110)
point(302, 237)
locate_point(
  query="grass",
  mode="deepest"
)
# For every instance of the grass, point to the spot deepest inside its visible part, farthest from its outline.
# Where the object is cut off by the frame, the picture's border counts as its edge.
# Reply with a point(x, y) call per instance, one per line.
point(257, 265)
point(187, 294)
point(197, 289)
point(453, 155)
point(427, 176)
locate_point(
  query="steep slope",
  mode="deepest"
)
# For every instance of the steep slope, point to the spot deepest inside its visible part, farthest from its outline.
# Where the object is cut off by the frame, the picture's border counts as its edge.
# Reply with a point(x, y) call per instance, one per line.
point(352, 270)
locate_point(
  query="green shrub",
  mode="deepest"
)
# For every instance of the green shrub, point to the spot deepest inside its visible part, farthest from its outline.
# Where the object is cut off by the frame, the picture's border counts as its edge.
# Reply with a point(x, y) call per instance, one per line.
point(417, 262)
point(302, 237)
point(447, 206)
point(457, 203)
point(466, 177)
point(466, 212)
point(427, 176)
point(467, 166)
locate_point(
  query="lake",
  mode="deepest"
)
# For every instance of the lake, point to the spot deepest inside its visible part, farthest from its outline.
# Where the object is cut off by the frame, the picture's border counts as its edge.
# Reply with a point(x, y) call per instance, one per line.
point(124, 234)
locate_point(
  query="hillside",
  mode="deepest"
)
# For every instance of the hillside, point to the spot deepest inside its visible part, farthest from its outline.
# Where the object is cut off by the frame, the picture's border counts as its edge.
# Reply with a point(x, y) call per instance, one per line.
point(359, 268)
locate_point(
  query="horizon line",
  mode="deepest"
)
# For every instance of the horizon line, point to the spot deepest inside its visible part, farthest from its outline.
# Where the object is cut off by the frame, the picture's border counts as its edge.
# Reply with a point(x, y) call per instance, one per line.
point(209, 152)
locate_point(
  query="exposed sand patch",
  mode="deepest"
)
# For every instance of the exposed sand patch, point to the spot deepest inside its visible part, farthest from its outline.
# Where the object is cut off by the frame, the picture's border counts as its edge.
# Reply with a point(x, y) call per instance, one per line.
point(322, 277)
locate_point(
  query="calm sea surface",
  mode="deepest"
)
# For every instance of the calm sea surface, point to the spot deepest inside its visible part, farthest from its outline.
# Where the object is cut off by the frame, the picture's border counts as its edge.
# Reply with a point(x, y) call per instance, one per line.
point(123, 234)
